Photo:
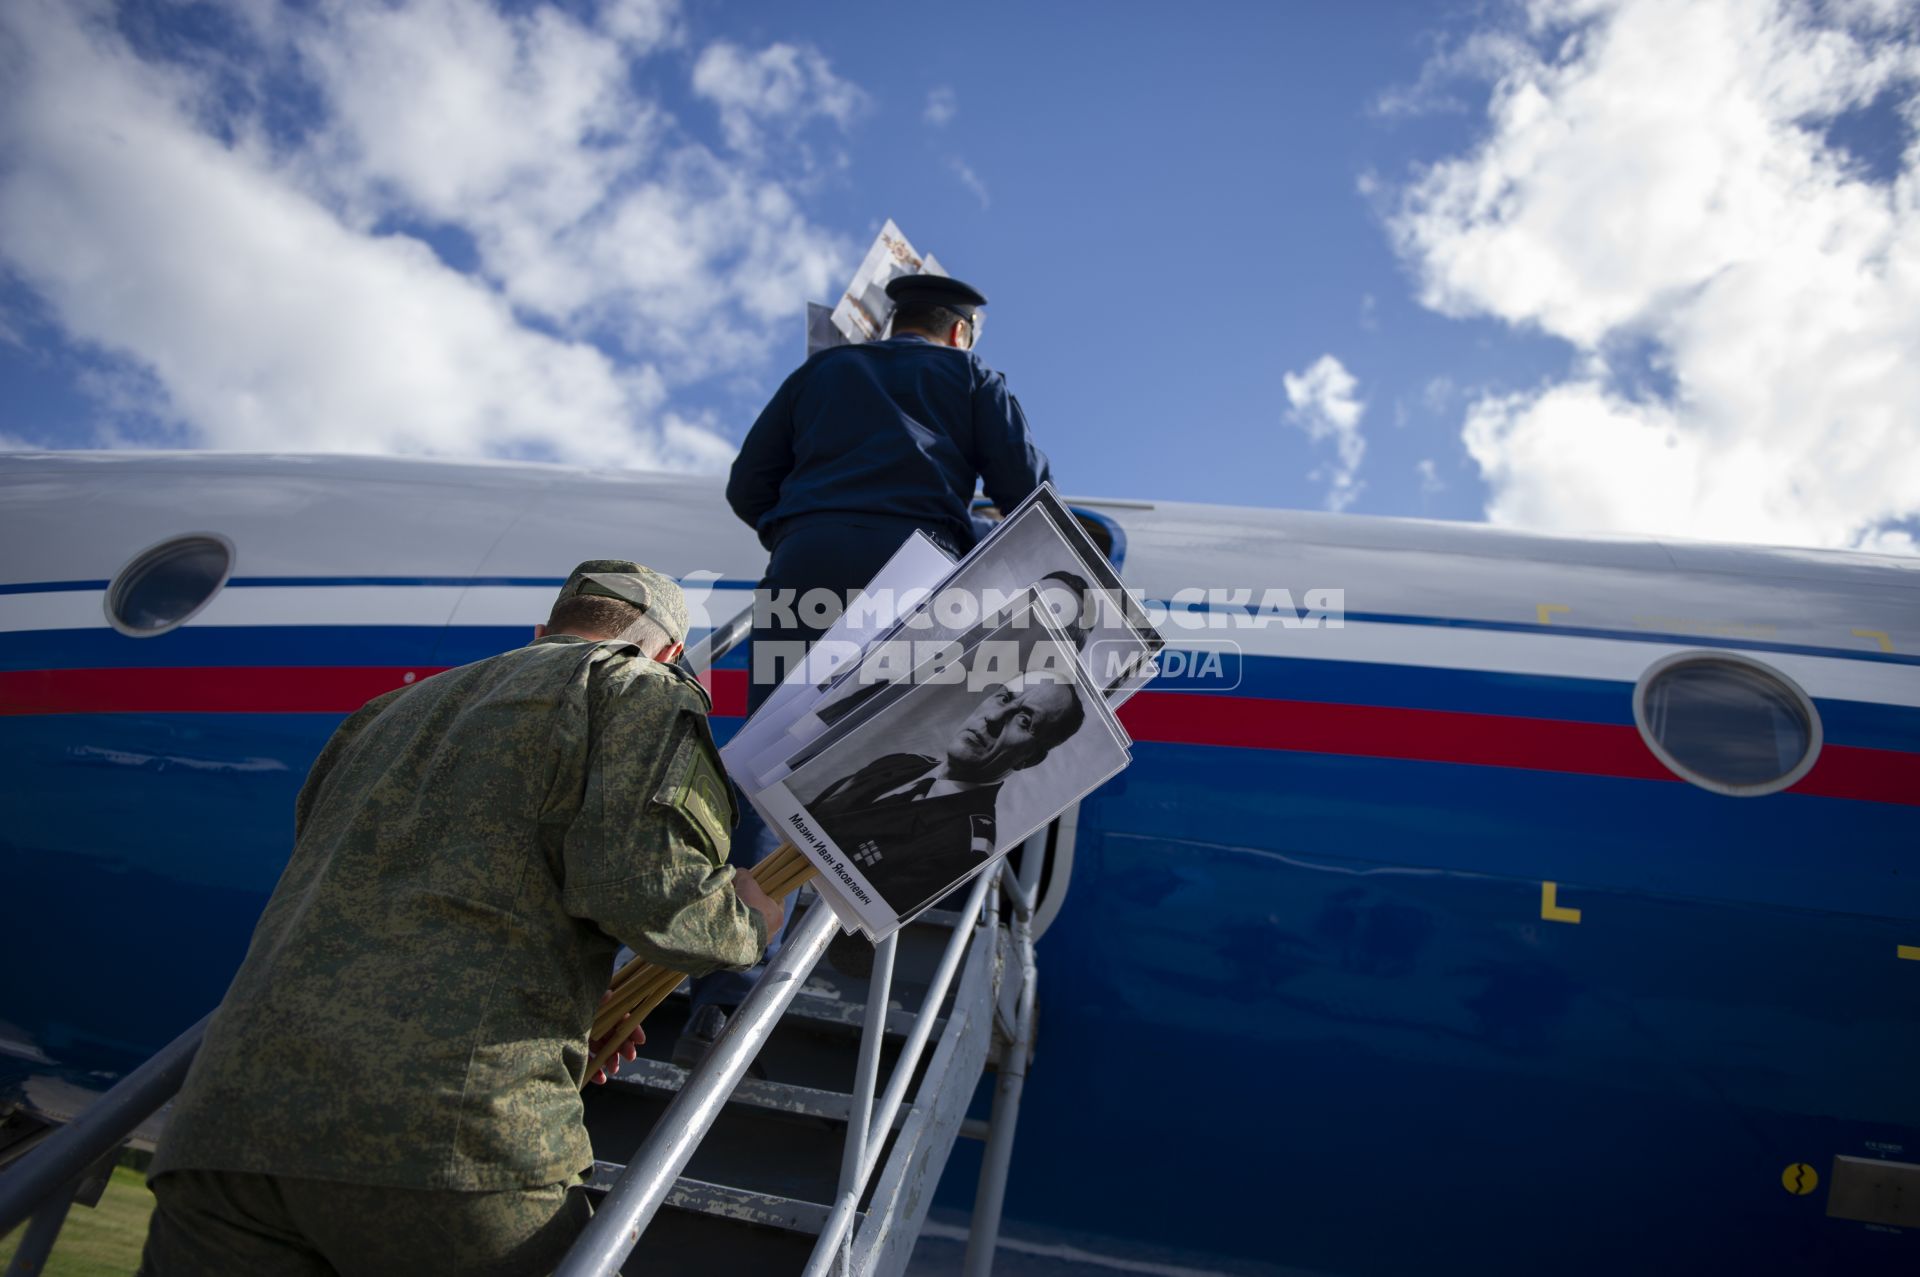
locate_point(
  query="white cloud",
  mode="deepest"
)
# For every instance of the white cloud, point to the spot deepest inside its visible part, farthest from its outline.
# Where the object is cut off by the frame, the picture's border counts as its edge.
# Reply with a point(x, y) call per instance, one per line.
point(971, 180)
point(641, 25)
point(1323, 402)
point(1430, 480)
point(441, 106)
point(1891, 541)
point(251, 290)
point(1655, 187)
point(942, 105)
point(1484, 55)
point(528, 133)
point(781, 87)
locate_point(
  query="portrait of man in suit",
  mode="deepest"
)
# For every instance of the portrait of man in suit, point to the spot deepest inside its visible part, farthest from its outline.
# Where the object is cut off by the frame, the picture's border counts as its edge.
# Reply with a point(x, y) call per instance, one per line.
point(914, 824)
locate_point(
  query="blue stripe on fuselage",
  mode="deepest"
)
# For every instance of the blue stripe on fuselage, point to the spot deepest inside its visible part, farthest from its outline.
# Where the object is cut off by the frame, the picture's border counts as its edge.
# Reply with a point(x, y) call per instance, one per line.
point(245, 645)
point(1581, 700)
point(1224, 612)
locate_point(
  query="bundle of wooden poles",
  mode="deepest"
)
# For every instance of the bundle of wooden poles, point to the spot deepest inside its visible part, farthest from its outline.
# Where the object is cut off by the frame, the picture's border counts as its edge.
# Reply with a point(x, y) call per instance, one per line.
point(640, 986)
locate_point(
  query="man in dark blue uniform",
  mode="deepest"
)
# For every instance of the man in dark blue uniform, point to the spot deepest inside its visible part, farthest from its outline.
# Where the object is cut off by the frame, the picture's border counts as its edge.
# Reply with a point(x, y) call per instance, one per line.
point(915, 825)
point(863, 444)
point(859, 447)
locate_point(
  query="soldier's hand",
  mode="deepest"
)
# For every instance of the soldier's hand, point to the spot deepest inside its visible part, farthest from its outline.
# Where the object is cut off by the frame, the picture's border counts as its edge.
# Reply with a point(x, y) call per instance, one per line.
point(636, 1037)
point(754, 898)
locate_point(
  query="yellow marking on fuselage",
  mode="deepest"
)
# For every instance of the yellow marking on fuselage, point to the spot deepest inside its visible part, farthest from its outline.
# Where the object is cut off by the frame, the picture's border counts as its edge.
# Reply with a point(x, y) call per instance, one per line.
point(1911, 952)
point(1799, 1179)
point(1550, 907)
point(1545, 611)
point(1879, 636)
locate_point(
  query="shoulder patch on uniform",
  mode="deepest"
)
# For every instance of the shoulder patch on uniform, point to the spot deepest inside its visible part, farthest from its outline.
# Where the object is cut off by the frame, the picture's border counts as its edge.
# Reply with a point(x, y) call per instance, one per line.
point(983, 831)
point(694, 784)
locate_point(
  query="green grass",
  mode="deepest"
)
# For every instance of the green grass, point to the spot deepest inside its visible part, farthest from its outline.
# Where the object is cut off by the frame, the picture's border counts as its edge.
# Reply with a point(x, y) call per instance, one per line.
point(104, 1241)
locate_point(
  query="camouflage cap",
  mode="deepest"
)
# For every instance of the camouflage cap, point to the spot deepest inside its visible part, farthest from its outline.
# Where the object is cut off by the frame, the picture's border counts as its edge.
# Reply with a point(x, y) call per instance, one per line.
point(654, 594)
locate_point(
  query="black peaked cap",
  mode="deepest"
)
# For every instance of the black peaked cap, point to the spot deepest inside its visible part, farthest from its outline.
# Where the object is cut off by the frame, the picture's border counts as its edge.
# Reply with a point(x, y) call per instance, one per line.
point(935, 290)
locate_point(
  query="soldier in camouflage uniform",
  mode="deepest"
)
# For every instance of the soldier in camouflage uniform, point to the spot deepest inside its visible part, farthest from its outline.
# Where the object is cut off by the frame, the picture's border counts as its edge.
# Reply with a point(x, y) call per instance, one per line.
point(392, 1083)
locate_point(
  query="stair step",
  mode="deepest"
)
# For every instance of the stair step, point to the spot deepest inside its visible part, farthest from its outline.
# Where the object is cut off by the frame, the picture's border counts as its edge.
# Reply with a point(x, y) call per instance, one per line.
point(814, 1045)
point(779, 1149)
point(700, 1197)
point(822, 1006)
point(780, 1097)
point(703, 1229)
point(761, 1184)
point(824, 1009)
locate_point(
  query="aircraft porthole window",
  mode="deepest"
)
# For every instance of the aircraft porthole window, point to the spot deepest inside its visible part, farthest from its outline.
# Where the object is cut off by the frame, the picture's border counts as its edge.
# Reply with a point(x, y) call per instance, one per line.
point(1727, 723)
point(166, 585)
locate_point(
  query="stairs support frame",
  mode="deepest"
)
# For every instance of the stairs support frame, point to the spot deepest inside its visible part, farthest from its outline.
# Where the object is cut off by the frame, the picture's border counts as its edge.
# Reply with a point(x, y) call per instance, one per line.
point(984, 1235)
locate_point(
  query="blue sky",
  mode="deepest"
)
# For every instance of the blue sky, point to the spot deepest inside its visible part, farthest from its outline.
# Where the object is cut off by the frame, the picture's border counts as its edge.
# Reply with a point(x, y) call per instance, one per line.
point(1585, 265)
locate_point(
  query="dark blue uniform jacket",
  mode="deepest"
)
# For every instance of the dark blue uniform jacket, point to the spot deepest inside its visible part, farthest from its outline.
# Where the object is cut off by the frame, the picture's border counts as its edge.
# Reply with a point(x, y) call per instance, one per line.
point(902, 428)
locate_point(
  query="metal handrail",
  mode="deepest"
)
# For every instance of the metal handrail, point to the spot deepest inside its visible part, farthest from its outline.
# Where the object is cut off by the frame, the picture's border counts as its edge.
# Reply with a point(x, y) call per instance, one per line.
point(104, 1125)
point(995, 1163)
point(720, 640)
point(645, 1182)
point(649, 1177)
point(873, 1036)
point(826, 1250)
point(36, 1178)
point(867, 1130)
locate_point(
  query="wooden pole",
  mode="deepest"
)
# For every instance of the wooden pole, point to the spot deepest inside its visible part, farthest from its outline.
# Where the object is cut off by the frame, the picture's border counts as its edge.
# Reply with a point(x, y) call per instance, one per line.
point(640, 987)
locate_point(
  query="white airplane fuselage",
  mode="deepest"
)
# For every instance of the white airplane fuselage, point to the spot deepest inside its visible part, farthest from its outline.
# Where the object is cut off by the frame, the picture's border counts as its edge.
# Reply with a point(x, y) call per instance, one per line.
point(1398, 948)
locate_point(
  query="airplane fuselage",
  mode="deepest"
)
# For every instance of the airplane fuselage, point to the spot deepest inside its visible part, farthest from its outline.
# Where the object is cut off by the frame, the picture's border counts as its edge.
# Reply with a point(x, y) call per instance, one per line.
point(1397, 949)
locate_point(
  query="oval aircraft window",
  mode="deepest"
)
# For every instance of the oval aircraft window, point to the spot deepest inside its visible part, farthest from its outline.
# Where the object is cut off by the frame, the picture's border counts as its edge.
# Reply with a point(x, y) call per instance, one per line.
point(1727, 723)
point(165, 586)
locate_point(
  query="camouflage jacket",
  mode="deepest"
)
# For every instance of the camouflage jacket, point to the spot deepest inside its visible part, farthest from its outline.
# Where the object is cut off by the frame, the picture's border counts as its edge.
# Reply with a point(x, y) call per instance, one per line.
point(469, 852)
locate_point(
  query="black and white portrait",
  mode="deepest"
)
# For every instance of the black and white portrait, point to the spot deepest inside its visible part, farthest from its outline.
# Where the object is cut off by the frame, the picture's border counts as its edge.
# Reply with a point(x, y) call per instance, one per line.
point(1039, 547)
point(966, 760)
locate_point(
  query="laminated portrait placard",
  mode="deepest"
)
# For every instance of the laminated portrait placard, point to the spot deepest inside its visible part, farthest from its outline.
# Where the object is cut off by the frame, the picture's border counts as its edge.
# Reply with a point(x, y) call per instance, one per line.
point(975, 753)
point(864, 310)
point(908, 577)
point(1039, 546)
point(1122, 628)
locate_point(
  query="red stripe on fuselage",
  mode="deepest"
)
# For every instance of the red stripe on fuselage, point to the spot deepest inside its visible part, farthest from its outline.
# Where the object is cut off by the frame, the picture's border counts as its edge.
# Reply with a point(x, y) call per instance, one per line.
point(1872, 775)
point(729, 691)
point(303, 689)
point(1482, 740)
point(1383, 731)
point(228, 690)
point(1180, 718)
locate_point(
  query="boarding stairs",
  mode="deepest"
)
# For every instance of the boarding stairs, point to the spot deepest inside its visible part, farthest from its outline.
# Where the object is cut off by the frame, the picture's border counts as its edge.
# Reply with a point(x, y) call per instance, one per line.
point(808, 1141)
point(826, 1161)
point(812, 1136)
